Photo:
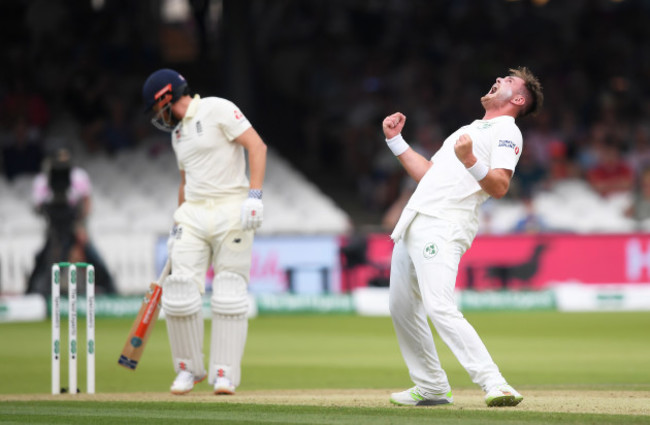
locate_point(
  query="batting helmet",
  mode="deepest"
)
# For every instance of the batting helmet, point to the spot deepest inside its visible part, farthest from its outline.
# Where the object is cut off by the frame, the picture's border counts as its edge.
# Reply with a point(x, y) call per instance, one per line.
point(162, 87)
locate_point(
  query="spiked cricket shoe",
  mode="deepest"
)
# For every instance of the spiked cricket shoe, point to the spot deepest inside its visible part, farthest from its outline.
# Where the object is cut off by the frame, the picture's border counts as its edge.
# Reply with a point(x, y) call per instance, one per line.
point(184, 382)
point(415, 397)
point(503, 395)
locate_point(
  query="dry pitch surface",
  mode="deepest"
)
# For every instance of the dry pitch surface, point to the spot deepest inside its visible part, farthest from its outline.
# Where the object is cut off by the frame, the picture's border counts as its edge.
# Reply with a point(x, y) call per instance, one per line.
point(578, 401)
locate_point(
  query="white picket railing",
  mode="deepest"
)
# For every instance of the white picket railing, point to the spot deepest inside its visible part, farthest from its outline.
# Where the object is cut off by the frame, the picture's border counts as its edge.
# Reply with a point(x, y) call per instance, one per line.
point(130, 257)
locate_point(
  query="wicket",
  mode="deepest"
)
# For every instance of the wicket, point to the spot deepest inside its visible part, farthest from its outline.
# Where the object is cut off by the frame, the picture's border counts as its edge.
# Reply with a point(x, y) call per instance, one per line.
point(72, 326)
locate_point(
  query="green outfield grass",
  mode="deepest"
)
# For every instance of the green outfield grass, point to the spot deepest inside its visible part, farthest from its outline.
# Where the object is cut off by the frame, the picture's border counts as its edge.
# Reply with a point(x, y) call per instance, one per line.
point(541, 350)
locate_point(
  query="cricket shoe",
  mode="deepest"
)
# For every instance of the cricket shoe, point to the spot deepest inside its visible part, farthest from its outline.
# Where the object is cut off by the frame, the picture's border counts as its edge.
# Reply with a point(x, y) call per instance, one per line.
point(222, 384)
point(503, 395)
point(185, 381)
point(415, 397)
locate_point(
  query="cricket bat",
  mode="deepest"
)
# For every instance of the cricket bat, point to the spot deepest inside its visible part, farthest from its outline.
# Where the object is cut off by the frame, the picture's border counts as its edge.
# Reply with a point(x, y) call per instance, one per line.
point(144, 323)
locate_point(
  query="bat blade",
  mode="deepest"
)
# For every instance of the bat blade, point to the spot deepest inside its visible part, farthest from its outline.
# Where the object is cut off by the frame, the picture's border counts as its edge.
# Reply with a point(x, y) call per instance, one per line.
point(141, 329)
point(143, 325)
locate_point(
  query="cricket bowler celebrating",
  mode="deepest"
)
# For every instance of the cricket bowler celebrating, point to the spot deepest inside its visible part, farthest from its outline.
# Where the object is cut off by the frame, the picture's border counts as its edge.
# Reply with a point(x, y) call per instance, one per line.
point(438, 225)
point(218, 212)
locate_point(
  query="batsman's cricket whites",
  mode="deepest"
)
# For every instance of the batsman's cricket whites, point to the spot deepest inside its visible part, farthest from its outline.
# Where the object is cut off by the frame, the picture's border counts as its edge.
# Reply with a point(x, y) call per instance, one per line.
point(72, 327)
point(144, 323)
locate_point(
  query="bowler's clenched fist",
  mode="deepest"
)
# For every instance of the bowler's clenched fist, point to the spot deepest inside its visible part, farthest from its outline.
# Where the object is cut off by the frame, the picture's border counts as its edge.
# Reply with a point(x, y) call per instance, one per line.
point(463, 150)
point(393, 124)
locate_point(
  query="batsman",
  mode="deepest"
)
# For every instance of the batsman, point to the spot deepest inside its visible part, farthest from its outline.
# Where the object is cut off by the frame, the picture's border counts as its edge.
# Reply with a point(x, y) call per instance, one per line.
point(219, 209)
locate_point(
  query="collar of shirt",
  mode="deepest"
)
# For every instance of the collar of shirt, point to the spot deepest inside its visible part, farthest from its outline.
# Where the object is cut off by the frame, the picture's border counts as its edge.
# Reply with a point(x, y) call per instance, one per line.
point(500, 118)
point(192, 107)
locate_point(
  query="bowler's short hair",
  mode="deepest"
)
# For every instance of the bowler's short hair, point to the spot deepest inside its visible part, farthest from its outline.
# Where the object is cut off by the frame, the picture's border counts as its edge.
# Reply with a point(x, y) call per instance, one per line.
point(533, 92)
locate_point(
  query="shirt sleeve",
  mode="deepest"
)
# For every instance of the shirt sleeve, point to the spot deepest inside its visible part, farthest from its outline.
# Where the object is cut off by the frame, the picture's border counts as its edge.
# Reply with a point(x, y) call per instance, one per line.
point(233, 121)
point(506, 148)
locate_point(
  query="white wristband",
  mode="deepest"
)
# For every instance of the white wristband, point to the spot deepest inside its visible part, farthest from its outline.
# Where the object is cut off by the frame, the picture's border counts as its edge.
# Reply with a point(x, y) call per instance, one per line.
point(478, 170)
point(397, 144)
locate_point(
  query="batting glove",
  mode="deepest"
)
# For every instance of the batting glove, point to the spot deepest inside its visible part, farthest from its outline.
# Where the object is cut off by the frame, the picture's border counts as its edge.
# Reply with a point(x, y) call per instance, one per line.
point(252, 211)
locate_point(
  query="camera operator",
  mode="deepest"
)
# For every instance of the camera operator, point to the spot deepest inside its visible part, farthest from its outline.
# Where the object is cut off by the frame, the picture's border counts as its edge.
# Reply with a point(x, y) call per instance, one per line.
point(61, 193)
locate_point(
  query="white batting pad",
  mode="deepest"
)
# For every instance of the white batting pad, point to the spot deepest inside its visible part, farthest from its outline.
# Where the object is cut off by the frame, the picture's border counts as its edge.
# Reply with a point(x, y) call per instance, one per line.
point(229, 304)
point(181, 296)
point(229, 294)
point(181, 301)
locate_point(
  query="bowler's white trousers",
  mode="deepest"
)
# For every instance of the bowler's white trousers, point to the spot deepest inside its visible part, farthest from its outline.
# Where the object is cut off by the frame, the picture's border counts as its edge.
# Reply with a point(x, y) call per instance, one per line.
point(422, 279)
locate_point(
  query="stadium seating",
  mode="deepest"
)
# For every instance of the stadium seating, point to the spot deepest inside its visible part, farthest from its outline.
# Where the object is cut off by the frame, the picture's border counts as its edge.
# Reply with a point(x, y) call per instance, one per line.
point(135, 194)
point(570, 206)
point(134, 198)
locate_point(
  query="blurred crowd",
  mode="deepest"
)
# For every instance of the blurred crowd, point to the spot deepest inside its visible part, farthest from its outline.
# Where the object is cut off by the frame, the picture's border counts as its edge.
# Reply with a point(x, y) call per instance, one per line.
point(325, 74)
point(433, 62)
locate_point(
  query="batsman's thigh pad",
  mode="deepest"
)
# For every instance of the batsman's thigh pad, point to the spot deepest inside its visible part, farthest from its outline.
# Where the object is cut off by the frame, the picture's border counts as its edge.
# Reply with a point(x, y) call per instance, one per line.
point(181, 296)
point(229, 294)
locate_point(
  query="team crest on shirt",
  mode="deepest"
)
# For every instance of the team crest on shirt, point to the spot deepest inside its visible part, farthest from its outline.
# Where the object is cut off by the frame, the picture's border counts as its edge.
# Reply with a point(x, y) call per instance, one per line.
point(199, 128)
point(430, 250)
point(485, 124)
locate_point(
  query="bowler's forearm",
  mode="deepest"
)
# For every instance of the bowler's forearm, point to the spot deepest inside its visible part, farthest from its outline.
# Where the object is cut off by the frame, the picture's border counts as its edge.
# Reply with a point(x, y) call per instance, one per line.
point(497, 182)
point(415, 164)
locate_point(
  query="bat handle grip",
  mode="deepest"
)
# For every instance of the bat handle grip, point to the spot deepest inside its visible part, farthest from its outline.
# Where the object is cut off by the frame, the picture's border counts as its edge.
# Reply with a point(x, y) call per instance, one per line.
point(165, 271)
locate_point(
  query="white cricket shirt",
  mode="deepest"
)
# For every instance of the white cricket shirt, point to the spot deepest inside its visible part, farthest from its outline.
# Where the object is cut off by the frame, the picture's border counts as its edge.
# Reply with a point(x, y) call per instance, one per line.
point(448, 190)
point(214, 165)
